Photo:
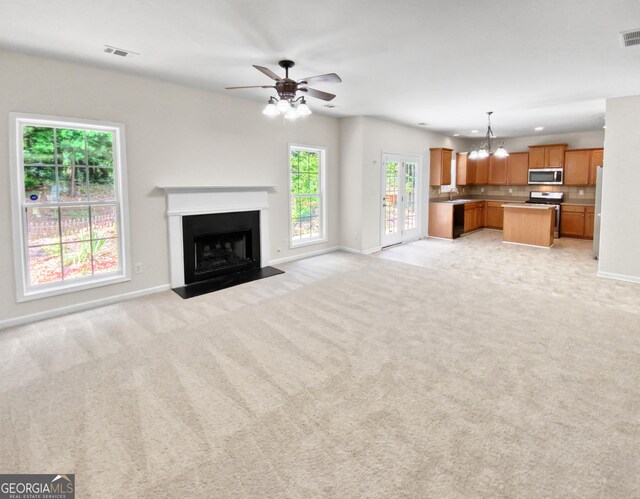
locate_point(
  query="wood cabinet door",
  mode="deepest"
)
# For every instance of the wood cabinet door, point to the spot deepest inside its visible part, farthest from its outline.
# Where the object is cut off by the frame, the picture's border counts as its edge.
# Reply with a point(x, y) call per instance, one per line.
point(588, 223)
point(495, 217)
point(572, 223)
point(482, 171)
point(435, 167)
point(468, 219)
point(517, 168)
point(536, 157)
point(447, 154)
point(554, 156)
point(497, 170)
point(479, 217)
point(576, 168)
point(597, 159)
point(471, 171)
point(461, 168)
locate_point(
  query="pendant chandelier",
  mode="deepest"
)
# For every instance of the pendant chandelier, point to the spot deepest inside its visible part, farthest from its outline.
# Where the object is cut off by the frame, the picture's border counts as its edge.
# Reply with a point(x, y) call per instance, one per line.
point(485, 149)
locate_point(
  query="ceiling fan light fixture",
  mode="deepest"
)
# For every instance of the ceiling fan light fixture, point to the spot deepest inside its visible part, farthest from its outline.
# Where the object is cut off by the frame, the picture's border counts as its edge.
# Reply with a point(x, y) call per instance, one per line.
point(271, 109)
point(283, 105)
point(292, 114)
point(303, 109)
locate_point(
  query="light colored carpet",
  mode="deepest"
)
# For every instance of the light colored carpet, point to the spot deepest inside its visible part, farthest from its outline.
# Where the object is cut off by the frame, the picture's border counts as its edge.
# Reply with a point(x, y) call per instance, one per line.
point(436, 369)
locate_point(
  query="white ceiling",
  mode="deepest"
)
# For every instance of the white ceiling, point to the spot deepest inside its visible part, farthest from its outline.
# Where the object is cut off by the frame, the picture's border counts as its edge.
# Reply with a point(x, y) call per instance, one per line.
point(548, 63)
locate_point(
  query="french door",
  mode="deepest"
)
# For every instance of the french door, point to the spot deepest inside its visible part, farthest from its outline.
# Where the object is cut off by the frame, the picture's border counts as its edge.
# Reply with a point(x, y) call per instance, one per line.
point(400, 199)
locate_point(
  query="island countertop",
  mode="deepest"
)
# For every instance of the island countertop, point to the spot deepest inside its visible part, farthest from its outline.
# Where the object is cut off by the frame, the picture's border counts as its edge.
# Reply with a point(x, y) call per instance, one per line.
point(530, 206)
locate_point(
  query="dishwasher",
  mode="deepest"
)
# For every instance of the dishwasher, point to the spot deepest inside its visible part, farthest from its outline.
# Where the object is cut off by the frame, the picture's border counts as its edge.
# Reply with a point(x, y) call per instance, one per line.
point(458, 220)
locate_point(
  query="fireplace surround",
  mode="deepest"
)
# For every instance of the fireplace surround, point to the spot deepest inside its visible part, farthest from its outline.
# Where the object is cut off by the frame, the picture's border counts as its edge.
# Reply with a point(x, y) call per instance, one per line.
point(184, 202)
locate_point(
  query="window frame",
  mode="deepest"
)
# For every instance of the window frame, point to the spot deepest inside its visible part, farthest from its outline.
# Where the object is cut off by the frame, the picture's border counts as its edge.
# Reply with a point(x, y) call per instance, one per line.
point(24, 290)
point(322, 195)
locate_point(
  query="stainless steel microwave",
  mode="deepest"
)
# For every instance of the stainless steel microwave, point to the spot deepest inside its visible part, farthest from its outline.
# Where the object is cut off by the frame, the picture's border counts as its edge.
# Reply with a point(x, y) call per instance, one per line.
point(546, 176)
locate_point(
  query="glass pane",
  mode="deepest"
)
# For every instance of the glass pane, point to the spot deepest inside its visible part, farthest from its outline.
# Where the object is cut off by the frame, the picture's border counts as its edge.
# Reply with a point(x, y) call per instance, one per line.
point(42, 226)
point(314, 207)
point(37, 144)
point(305, 228)
point(103, 222)
point(74, 223)
point(100, 148)
point(391, 198)
point(71, 147)
point(76, 259)
point(102, 184)
point(312, 163)
point(295, 161)
point(72, 183)
point(40, 184)
point(105, 256)
point(410, 196)
point(44, 264)
point(296, 208)
point(315, 226)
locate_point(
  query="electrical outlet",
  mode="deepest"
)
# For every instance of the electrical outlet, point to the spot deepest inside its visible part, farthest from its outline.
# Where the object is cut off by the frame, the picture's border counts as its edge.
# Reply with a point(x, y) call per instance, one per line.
point(510, 191)
point(481, 189)
point(138, 268)
point(581, 192)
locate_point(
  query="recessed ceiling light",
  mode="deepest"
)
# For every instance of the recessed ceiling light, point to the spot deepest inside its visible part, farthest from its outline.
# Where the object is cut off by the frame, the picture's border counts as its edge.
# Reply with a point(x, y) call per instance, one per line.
point(538, 128)
point(456, 135)
point(422, 123)
point(330, 106)
point(474, 131)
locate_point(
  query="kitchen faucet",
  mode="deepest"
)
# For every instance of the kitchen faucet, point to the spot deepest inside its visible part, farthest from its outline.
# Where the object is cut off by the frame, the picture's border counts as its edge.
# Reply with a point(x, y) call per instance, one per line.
point(454, 190)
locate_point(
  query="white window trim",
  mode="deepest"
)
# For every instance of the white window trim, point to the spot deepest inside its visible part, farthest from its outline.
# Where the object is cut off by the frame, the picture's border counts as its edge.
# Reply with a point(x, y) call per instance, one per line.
point(23, 291)
point(323, 196)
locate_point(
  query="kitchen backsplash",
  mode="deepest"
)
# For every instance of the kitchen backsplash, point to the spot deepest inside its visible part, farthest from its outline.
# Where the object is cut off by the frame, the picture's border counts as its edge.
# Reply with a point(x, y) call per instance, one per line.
point(571, 193)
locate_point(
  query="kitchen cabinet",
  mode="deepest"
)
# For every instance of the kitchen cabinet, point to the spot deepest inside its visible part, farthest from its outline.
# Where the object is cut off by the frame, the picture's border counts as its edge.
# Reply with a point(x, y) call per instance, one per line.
point(576, 221)
point(596, 160)
point(497, 170)
point(473, 216)
point(481, 170)
point(576, 167)
point(463, 169)
point(441, 220)
point(494, 214)
point(580, 166)
point(589, 220)
point(440, 166)
point(547, 156)
point(517, 168)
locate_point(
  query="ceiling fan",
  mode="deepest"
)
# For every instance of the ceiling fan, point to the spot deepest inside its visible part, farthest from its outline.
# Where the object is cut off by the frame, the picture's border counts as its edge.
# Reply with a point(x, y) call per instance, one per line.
point(287, 102)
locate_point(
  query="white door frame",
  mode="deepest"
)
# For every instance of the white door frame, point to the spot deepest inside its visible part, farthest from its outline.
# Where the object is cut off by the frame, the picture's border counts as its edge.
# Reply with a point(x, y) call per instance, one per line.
point(401, 158)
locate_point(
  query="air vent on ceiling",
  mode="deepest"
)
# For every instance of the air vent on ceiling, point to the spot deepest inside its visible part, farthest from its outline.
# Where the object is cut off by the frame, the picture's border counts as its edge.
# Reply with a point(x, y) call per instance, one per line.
point(119, 52)
point(630, 38)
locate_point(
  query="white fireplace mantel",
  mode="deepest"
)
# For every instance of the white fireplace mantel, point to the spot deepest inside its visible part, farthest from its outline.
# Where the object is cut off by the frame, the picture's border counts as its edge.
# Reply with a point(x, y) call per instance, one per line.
point(200, 200)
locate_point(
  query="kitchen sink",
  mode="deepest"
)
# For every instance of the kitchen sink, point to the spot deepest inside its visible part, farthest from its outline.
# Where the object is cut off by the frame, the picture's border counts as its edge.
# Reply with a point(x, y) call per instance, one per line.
point(459, 201)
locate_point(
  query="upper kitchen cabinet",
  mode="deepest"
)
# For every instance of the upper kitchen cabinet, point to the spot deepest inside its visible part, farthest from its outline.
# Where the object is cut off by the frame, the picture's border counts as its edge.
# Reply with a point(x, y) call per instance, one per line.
point(481, 167)
point(580, 166)
point(517, 166)
point(547, 156)
point(465, 170)
point(497, 170)
point(596, 160)
point(440, 166)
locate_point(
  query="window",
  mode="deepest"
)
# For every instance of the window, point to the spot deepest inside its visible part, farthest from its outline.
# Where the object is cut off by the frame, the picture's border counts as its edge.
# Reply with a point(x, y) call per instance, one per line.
point(306, 168)
point(68, 192)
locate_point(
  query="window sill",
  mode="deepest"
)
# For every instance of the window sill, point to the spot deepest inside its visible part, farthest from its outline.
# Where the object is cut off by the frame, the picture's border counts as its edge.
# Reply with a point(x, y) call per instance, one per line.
point(309, 242)
point(71, 288)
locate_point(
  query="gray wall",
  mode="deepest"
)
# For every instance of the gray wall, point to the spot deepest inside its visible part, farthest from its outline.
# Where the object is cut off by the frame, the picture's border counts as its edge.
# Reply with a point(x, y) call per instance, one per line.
point(620, 232)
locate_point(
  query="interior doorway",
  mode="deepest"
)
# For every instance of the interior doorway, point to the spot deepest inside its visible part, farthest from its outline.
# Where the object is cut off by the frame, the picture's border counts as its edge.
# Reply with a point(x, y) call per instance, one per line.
point(400, 198)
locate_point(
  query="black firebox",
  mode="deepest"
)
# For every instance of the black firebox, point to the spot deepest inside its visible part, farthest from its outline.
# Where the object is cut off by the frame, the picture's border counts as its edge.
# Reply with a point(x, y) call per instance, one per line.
point(219, 244)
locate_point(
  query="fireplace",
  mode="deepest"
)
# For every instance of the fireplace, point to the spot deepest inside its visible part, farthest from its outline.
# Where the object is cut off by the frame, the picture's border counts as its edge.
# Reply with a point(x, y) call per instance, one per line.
point(218, 244)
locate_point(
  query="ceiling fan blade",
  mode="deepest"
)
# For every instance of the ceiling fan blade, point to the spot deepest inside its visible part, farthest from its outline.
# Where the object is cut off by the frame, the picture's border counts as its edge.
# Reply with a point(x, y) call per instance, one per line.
point(318, 94)
point(251, 86)
point(330, 77)
point(268, 72)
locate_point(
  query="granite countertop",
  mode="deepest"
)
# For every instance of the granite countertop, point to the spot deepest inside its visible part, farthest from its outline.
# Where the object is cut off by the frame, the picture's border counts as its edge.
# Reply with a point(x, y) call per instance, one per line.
point(587, 202)
point(530, 206)
point(505, 199)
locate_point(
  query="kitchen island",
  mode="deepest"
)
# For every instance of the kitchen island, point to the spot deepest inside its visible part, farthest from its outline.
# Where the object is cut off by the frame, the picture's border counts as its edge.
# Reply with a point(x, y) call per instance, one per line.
point(530, 224)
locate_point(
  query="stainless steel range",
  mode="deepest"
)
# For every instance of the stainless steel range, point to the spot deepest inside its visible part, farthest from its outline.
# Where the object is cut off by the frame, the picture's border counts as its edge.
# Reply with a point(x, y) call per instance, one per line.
point(554, 198)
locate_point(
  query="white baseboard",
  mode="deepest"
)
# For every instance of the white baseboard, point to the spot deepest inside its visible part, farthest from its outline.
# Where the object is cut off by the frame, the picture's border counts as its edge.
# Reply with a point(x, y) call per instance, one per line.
point(78, 307)
point(360, 252)
point(619, 277)
point(304, 255)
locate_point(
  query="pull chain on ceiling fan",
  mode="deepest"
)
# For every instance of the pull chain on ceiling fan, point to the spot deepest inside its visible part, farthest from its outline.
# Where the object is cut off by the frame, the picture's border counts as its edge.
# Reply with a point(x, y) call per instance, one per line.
point(287, 103)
